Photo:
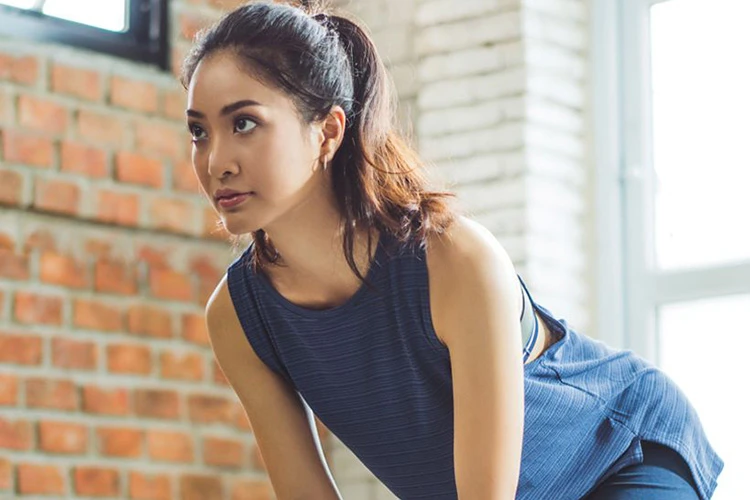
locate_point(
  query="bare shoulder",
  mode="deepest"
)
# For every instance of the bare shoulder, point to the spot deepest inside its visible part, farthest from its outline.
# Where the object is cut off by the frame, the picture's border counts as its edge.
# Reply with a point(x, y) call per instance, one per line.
point(467, 265)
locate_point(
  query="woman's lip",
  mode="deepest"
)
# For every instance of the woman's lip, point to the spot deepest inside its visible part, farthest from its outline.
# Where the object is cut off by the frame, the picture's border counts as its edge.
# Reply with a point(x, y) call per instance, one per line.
point(233, 201)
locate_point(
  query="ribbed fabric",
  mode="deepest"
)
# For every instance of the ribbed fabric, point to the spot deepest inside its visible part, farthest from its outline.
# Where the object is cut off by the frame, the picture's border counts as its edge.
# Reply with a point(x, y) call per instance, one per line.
point(375, 373)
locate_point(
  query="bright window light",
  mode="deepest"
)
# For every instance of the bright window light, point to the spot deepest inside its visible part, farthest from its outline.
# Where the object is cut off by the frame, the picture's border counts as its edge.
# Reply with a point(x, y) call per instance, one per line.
point(110, 15)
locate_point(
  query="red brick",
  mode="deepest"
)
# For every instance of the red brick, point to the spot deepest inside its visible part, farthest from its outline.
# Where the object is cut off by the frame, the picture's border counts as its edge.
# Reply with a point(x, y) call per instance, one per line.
point(99, 128)
point(150, 487)
point(132, 94)
point(62, 270)
point(219, 377)
point(23, 69)
point(57, 196)
point(38, 309)
point(133, 359)
point(240, 420)
point(41, 240)
point(42, 115)
point(172, 215)
point(113, 277)
point(95, 315)
point(20, 349)
point(35, 479)
point(15, 435)
point(74, 354)
point(120, 442)
point(194, 329)
point(252, 489)
point(106, 401)
point(195, 487)
point(138, 169)
point(63, 437)
point(157, 403)
point(76, 158)
point(207, 409)
point(52, 394)
point(27, 149)
point(184, 178)
point(11, 188)
point(5, 104)
point(160, 139)
point(149, 320)
point(12, 266)
point(76, 82)
point(96, 481)
point(170, 285)
point(170, 446)
point(187, 366)
point(223, 452)
point(175, 104)
point(191, 24)
point(98, 247)
point(8, 390)
point(6, 473)
point(117, 208)
point(156, 257)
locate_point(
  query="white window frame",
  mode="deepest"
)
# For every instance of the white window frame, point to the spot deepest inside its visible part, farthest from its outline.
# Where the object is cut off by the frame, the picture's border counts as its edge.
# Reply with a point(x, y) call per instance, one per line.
point(631, 288)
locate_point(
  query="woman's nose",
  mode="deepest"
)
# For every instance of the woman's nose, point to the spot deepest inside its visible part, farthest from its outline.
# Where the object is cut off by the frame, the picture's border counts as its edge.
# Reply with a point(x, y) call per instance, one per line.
point(221, 163)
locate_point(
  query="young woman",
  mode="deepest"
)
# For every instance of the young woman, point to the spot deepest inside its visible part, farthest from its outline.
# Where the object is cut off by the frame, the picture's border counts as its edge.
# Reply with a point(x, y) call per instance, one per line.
point(401, 324)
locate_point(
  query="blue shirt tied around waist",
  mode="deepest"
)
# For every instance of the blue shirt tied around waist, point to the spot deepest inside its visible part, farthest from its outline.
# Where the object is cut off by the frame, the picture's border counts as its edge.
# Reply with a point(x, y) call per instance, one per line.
point(375, 373)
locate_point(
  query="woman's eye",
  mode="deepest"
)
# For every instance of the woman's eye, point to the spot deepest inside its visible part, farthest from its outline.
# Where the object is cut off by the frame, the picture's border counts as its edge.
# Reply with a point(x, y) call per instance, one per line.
point(244, 125)
point(197, 133)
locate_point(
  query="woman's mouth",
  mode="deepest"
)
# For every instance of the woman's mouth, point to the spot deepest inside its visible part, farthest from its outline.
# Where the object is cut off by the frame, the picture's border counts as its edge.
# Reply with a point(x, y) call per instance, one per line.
point(233, 200)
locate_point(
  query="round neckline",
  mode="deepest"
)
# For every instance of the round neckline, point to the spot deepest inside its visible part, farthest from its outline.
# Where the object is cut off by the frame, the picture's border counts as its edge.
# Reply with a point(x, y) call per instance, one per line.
point(376, 263)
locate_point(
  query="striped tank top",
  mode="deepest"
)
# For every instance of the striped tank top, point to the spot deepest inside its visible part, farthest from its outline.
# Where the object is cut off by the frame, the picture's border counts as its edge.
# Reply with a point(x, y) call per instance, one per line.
point(375, 373)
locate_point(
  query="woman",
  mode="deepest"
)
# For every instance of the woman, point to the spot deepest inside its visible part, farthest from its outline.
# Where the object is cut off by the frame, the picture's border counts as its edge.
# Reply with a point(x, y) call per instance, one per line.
point(366, 299)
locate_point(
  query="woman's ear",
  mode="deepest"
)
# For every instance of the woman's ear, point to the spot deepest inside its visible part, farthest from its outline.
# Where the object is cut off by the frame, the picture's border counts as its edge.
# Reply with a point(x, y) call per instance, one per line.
point(332, 132)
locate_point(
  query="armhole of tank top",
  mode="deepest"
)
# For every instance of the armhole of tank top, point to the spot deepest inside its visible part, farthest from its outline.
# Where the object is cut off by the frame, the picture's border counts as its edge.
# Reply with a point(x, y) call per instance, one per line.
point(426, 308)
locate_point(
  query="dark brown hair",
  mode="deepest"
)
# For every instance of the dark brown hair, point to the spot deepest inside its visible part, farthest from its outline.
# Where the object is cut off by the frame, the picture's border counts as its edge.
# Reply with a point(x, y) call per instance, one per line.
point(321, 60)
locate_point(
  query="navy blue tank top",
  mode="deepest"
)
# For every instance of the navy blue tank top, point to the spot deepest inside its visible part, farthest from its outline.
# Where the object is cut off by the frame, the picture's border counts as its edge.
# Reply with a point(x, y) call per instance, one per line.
point(375, 373)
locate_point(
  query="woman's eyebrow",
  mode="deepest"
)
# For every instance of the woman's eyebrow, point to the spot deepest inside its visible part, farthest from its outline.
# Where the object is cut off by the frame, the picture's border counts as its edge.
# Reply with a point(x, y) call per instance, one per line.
point(226, 110)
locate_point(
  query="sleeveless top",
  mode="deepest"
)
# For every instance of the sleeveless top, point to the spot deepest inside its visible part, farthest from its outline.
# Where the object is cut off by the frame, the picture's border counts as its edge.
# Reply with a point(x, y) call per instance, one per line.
point(376, 375)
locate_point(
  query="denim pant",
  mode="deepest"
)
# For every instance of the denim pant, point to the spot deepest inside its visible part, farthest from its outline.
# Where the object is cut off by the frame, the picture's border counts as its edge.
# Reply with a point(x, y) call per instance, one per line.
point(663, 475)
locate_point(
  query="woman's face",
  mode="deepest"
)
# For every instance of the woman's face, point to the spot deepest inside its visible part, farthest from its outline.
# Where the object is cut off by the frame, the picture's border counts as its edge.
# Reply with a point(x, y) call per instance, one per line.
point(253, 155)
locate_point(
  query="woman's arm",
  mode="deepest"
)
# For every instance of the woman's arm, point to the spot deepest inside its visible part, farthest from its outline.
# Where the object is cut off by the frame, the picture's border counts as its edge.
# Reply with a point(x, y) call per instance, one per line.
point(475, 301)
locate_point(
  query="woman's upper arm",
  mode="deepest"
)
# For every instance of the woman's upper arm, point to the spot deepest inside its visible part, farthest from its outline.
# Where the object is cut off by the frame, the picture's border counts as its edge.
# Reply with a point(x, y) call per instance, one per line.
point(475, 296)
point(282, 427)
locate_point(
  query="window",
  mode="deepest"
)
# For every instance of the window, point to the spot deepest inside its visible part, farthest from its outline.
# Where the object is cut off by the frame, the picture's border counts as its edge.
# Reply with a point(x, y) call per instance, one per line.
point(675, 173)
point(133, 29)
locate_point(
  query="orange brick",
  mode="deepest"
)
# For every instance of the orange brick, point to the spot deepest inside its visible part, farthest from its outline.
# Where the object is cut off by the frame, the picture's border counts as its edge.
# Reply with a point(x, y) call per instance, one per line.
point(132, 94)
point(96, 481)
point(95, 315)
point(194, 329)
point(57, 196)
point(157, 403)
point(191, 24)
point(62, 270)
point(150, 487)
point(20, 349)
point(203, 266)
point(11, 188)
point(38, 309)
point(223, 452)
point(184, 178)
point(34, 479)
point(256, 459)
point(74, 354)
point(8, 390)
point(103, 129)
point(170, 285)
point(120, 442)
point(199, 487)
point(149, 320)
point(5, 104)
point(76, 158)
point(63, 437)
point(15, 435)
point(252, 489)
point(187, 366)
point(42, 240)
point(138, 169)
point(118, 208)
point(23, 69)
point(133, 359)
point(28, 149)
point(175, 104)
point(113, 277)
point(172, 215)
point(12, 266)
point(161, 139)
point(52, 394)
point(98, 247)
point(170, 446)
point(240, 419)
point(6, 473)
point(42, 115)
point(106, 401)
point(156, 257)
point(219, 377)
point(76, 82)
point(206, 409)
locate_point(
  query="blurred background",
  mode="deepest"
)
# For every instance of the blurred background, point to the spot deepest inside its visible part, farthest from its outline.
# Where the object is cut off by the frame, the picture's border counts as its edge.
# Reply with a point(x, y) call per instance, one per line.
point(604, 143)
